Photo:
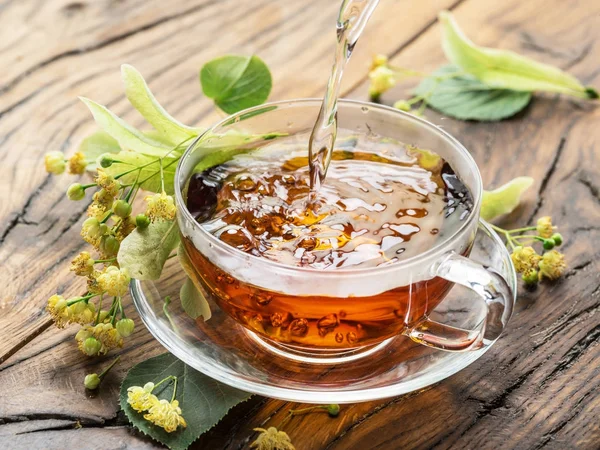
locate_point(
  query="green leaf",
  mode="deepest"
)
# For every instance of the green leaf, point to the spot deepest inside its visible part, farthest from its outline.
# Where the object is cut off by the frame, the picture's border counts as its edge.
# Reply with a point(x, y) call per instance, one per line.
point(128, 137)
point(504, 69)
point(149, 175)
point(236, 82)
point(98, 144)
point(504, 199)
point(203, 401)
point(143, 100)
point(466, 98)
point(191, 294)
point(144, 252)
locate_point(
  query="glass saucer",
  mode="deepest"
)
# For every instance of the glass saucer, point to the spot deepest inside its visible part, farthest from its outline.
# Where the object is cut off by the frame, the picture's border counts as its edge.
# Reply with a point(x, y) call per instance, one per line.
point(227, 352)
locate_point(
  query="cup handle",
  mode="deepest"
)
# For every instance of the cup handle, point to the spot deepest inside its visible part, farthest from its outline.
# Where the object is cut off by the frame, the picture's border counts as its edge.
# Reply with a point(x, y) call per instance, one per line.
point(491, 287)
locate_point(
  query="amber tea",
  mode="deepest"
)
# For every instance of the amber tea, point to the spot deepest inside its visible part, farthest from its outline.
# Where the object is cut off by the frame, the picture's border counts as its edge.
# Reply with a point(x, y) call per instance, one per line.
point(383, 202)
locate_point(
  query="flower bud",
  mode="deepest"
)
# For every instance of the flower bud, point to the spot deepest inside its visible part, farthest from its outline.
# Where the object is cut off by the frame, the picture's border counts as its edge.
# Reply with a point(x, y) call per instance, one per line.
point(103, 229)
point(125, 327)
point(142, 221)
point(548, 244)
point(109, 245)
point(333, 410)
point(121, 208)
point(557, 238)
point(91, 346)
point(91, 381)
point(105, 160)
point(103, 316)
point(55, 162)
point(402, 105)
point(530, 276)
point(76, 192)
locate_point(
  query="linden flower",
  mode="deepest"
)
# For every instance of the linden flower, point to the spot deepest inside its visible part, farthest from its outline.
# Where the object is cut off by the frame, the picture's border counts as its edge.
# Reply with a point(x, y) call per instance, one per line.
point(114, 281)
point(161, 207)
point(141, 398)
point(126, 227)
point(104, 198)
point(83, 264)
point(77, 164)
point(55, 162)
point(105, 333)
point(91, 231)
point(552, 265)
point(524, 258)
point(272, 439)
point(108, 183)
point(378, 60)
point(96, 211)
point(57, 307)
point(382, 78)
point(81, 312)
point(544, 227)
point(166, 414)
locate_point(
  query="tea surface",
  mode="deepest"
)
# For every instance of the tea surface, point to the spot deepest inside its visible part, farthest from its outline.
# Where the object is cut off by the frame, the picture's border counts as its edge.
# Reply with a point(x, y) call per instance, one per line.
point(383, 201)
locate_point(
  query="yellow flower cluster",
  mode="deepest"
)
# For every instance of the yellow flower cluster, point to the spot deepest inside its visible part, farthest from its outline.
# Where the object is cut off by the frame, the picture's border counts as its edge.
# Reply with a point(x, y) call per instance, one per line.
point(105, 333)
point(83, 264)
point(272, 439)
point(382, 78)
point(166, 415)
point(544, 227)
point(161, 207)
point(107, 182)
point(62, 313)
point(552, 265)
point(113, 281)
point(535, 267)
point(525, 258)
point(162, 413)
point(77, 164)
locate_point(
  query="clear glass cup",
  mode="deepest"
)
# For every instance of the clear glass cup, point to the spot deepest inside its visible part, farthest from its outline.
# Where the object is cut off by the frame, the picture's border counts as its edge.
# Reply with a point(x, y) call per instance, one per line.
point(420, 282)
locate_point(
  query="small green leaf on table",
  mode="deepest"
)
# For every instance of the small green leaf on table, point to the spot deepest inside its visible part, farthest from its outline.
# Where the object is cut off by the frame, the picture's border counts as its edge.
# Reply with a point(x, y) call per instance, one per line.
point(236, 82)
point(144, 252)
point(504, 199)
point(203, 401)
point(503, 69)
point(466, 98)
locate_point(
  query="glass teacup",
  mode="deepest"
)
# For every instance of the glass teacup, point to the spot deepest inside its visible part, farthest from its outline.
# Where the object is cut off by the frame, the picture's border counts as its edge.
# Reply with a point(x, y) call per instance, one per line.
point(302, 311)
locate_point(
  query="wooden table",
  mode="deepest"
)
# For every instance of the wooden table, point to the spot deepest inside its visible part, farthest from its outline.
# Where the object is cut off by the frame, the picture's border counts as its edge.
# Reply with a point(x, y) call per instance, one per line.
point(536, 388)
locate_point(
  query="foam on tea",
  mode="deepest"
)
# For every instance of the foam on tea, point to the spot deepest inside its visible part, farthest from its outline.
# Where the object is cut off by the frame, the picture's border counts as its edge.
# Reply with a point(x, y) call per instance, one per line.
point(382, 202)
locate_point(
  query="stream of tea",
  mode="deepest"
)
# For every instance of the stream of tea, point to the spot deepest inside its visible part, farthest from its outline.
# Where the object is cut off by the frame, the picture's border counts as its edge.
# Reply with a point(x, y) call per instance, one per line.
point(351, 21)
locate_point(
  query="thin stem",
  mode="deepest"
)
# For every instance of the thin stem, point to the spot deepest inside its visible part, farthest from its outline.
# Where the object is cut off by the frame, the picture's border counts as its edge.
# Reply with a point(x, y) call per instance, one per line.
point(98, 261)
point(117, 306)
point(80, 299)
point(518, 230)
point(99, 309)
point(121, 308)
point(105, 371)
point(174, 389)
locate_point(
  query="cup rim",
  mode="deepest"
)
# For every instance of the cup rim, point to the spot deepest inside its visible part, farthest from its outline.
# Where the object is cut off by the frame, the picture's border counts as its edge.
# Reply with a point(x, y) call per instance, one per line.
point(473, 216)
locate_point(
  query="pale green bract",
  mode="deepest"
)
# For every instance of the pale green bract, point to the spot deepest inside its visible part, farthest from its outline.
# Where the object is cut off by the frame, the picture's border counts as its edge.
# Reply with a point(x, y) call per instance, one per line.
point(203, 401)
point(144, 252)
point(149, 171)
point(464, 97)
point(504, 69)
point(128, 137)
point(236, 82)
point(96, 145)
point(193, 301)
point(504, 199)
point(139, 95)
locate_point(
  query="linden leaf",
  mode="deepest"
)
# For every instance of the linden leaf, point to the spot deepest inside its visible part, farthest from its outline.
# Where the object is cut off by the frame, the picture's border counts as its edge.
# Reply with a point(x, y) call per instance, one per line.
point(236, 82)
point(466, 98)
point(98, 144)
point(145, 251)
point(192, 294)
point(128, 137)
point(504, 69)
point(149, 171)
point(504, 199)
point(139, 95)
point(203, 401)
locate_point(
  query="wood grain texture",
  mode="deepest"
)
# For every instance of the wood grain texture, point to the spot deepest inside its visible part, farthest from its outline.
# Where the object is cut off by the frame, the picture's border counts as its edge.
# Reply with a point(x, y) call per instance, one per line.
point(536, 388)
